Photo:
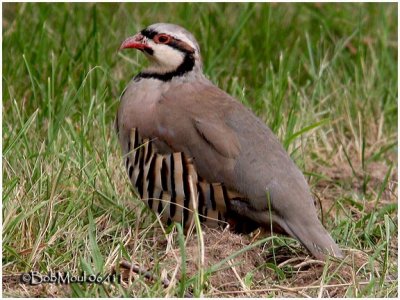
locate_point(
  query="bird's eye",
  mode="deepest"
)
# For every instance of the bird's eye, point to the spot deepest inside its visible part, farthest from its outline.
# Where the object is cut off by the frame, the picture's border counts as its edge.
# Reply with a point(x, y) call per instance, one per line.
point(162, 39)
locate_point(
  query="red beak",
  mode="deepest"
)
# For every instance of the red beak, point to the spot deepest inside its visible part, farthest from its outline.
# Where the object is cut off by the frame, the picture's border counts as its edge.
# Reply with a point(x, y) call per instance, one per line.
point(137, 42)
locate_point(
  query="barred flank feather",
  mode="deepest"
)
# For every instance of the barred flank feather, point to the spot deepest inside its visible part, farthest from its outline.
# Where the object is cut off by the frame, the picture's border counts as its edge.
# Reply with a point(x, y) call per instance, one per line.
point(163, 182)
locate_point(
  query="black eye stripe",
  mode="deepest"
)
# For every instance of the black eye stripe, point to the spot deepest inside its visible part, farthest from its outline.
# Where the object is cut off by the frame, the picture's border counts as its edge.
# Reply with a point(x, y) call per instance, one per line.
point(148, 50)
point(148, 33)
point(174, 43)
point(180, 45)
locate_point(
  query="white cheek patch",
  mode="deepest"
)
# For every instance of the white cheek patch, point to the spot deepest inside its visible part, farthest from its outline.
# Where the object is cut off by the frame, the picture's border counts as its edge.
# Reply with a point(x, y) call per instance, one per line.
point(165, 57)
point(168, 56)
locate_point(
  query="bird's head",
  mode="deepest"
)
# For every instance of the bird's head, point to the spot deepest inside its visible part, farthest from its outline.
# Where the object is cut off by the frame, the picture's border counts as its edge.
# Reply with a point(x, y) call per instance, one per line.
point(171, 49)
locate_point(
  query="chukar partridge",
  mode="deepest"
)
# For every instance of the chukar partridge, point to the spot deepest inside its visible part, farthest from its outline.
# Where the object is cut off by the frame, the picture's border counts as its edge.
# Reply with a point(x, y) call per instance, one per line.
point(182, 138)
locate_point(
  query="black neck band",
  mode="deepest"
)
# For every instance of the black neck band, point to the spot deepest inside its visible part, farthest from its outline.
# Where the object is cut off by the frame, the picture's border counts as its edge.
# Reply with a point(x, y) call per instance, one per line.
point(185, 67)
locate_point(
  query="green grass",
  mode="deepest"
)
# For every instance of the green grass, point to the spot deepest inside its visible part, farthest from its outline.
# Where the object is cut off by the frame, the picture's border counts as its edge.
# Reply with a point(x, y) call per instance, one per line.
point(322, 76)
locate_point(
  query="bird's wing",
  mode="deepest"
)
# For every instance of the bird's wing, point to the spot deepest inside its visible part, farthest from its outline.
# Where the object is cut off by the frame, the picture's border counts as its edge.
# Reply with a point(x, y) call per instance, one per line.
point(218, 135)
point(191, 119)
point(230, 145)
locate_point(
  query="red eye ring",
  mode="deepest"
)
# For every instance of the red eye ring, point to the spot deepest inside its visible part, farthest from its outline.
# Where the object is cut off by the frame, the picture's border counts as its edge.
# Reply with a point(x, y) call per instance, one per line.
point(162, 38)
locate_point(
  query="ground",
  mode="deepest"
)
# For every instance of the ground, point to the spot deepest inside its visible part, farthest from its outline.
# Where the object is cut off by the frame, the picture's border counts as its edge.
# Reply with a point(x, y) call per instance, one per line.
point(323, 77)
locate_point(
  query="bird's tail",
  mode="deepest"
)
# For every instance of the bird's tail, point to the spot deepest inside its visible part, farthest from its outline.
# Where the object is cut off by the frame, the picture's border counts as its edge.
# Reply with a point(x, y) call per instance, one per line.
point(305, 227)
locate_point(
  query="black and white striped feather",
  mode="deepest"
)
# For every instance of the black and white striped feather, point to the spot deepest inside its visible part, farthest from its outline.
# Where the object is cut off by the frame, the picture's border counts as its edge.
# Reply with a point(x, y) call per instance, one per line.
point(163, 182)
